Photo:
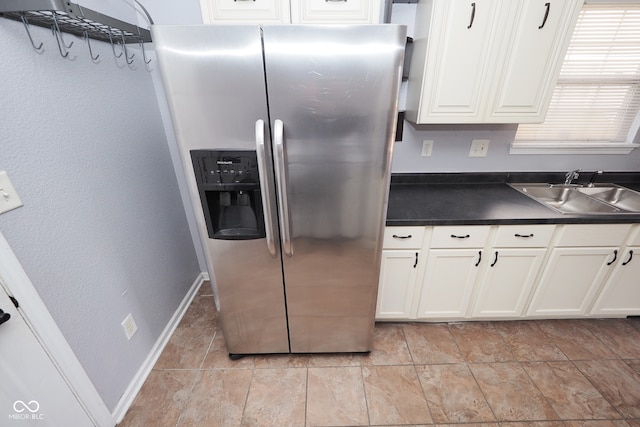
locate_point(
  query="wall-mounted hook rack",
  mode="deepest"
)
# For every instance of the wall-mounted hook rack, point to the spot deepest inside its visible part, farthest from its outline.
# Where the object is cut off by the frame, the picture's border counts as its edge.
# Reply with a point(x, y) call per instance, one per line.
point(67, 17)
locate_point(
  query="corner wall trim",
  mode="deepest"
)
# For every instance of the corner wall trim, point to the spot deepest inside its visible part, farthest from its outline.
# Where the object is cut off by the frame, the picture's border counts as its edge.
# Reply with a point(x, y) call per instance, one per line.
point(140, 377)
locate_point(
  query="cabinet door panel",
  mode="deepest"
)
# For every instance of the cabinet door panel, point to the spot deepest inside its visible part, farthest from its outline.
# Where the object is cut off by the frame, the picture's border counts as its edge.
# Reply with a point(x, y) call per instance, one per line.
point(507, 283)
point(398, 274)
point(533, 55)
point(448, 283)
point(621, 293)
point(457, 60)
point(570, 281)
point(325, 11)
point(245, 11)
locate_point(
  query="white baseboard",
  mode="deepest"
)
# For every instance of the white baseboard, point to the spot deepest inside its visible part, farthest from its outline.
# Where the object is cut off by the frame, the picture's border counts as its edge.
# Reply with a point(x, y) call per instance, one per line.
point(141, 376)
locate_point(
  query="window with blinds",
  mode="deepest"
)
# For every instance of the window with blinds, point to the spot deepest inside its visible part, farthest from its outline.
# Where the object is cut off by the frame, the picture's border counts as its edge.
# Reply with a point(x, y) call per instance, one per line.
point(595, 107)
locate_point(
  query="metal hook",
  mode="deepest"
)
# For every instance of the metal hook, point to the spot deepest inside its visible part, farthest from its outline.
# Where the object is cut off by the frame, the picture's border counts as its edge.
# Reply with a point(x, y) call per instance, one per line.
point(26, 27)
point(112, 45)
point(144, 56)
point(55, 21)
point(86, 37)
point(126, 55)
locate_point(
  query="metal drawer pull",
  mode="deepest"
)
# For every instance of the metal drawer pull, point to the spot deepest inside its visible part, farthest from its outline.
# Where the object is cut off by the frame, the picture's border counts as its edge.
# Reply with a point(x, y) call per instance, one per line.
point(479, 258)
point(630, 258)
point(526, 236)
point(615, 257)
point(546, 15)
point(416, 263)
point(395, 236)
point(495, 260)
point(334, 1)
point(473, 15)
point(453, 236)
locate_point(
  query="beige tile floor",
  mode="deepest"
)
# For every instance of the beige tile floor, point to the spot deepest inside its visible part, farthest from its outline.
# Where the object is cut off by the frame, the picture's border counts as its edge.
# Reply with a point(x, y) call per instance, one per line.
point(569, 373)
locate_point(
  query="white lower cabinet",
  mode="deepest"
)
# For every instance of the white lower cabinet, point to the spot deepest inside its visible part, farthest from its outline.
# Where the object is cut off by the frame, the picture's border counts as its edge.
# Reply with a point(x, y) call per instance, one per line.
point(448, 273)
point(455, 257)
point(399, 271)
point(398, 275)
point(507, 282)
point(580, 262)
point(621, 294)
point(514, 263)
point(448, 283)
point(570, 281)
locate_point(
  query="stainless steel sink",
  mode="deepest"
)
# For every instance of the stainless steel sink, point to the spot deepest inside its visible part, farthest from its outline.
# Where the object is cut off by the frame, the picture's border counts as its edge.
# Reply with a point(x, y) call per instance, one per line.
point(603, 199)
point(615, 195)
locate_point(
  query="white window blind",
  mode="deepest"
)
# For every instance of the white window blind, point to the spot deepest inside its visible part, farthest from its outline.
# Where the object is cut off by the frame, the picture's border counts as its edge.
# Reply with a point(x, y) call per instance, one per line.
point(596, 101)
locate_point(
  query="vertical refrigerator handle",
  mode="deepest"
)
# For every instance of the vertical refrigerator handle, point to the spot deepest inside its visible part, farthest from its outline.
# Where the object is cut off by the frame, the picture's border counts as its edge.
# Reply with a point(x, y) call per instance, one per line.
point(265, 189)
point(279, 154)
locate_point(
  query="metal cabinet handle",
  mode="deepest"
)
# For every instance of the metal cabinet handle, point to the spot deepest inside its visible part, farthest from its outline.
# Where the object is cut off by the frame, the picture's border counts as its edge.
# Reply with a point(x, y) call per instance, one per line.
point(526, 236)
point(395, 236)
point(479, 258)
point(495, 260)
point(473, 15)
point(265, 188)
point(453, 236)
point(615, 257)
point(630, 258)
point(279, 153)
point(416, 263)
point(546, 15)
point(334, 1)
point(4, 317)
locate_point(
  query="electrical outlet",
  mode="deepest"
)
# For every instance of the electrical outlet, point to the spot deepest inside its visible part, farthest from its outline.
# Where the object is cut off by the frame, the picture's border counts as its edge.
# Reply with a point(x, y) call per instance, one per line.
point(479, 148)
point(129, 326)
point(9, 199)
point(427, 146)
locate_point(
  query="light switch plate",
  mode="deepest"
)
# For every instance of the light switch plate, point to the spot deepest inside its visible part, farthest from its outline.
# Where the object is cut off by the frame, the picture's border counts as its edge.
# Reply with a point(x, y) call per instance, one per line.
point(9, 198)
point(479, 148)
point(427, 146)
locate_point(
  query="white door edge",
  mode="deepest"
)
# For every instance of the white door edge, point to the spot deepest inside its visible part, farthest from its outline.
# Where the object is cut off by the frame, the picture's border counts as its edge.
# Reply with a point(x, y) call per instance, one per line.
point(36, 315)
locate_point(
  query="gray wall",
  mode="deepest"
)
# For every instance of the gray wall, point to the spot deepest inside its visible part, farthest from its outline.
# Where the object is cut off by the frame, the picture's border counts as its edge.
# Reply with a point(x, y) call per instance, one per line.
point(102, 232)
point(451, 144)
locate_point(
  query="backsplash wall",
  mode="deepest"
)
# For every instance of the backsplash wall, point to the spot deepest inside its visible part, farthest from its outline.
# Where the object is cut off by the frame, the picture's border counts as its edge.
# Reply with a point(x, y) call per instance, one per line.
point(452, 144)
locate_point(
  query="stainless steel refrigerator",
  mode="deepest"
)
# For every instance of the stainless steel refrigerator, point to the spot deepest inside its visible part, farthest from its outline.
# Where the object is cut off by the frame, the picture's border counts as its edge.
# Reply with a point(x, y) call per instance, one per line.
point(286, 134)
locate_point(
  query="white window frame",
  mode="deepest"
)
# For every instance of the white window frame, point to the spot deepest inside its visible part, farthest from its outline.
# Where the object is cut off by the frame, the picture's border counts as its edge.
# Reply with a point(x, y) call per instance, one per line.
point(548, 147)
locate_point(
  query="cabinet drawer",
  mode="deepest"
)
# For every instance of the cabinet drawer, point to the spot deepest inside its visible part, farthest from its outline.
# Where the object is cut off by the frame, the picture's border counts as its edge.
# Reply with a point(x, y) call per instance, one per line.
point(460, 236)
point(335, 11)
point(524, 236)
point(593, 234)
point(403, 237)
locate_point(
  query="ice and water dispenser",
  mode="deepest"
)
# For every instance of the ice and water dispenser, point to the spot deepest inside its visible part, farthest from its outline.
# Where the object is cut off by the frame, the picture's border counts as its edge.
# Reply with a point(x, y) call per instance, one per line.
point(229, 187)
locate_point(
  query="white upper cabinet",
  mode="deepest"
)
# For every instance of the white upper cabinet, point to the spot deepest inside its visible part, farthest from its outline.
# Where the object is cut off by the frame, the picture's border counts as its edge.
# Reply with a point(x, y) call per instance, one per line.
point(291, 11)
point(245, 11)
point(488, 61)
point(335, 11)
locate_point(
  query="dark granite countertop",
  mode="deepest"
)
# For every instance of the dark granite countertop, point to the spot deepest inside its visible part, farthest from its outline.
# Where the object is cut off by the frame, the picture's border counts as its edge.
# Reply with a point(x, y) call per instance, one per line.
point(486, 198)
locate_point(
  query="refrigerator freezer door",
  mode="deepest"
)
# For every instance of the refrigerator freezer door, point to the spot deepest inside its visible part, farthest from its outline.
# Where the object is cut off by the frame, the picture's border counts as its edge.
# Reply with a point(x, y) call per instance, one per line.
point(335, 90)
point(214, 81)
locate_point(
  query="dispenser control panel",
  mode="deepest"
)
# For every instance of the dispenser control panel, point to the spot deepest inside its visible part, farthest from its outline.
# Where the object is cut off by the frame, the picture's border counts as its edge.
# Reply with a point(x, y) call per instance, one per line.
point(227, 167)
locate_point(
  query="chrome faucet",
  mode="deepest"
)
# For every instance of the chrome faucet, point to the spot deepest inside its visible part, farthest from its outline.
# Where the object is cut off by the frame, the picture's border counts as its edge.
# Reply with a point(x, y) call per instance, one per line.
point(570, 176)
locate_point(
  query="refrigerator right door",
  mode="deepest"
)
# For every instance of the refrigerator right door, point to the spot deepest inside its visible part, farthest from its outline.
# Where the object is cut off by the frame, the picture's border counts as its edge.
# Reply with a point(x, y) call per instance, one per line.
point(332, 94)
